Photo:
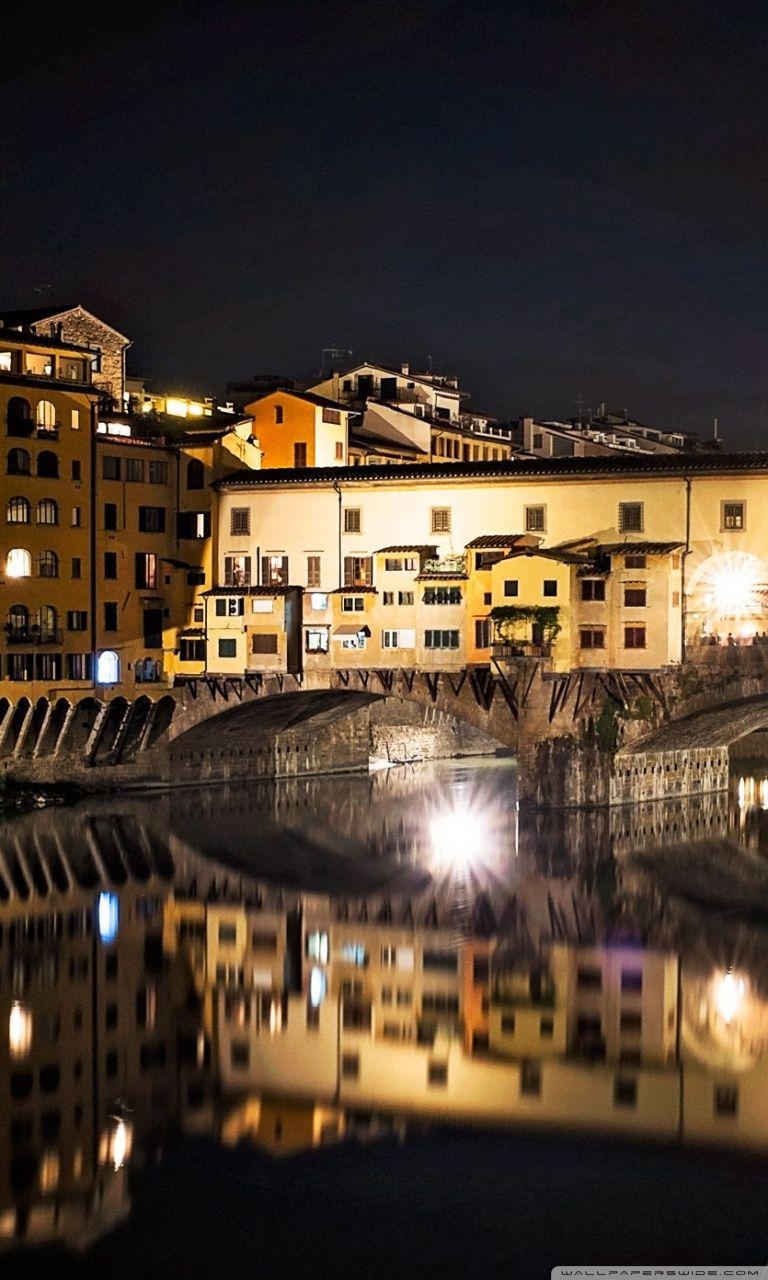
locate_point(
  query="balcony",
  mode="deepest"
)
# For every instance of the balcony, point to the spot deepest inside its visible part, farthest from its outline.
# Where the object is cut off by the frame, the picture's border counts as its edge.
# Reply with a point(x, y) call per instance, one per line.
point(456, 565)
point(32, 635)
point(521, 649)
point(48, 433)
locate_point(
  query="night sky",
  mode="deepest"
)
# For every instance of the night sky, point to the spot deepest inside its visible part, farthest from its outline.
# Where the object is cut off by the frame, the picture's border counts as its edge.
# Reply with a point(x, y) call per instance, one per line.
point(554, 200)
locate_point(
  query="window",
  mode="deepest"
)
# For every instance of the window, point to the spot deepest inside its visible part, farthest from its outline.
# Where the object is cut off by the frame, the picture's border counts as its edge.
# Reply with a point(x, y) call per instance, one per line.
point(264, 643)
point(726, 1100)
point(110, 564)
point(624, 1092)
point(631, 517)
point(530, 1078)
point(110, 467)
point(299, 454)
point(535, 518)
point(440, 520)
point(194, 524)
point(278, 414)
point(146, 570)
point(192, 650)
point(18, 620)
point(631, 1023)
point(77, 620)
point(48, 465)
point(237, 571)
point(76, 470)
point(508, 1024)
point(77, 567)
point(274, 571)
point(358, 571)
point(230, 607)
point(74, 419)
point(350, 1066)
point(47, 511)
point(19, 417)
point(487, 559)
point(18, 511)
point(405, 597)
point(317, 946)
point(195, 474)
point(439, 1002)
point(437, 1073)
point(134, 470)
point(227, 933)
point(110, 516)
point(18, 462)
point(441, 961)
point(546, 1028)
point(313, 571)
point(352, 520)
point(339, 451)
point(632, 980)
point(593, 589)
point(634, 637)
point(588, 979)
point(634, 562)
point(316, 640)
point(227, 648)
point(388, 597)
point(511, 587)
point(110, 615)
point(45, 417)
point(442, 595)
point(48, 564)
point(404, 638)
point(635, 595)
point(549, 587)
point(592, 638)
point(733, 515)
point(537, 440)
point(240, 522)
point(151, 519)
point(355, 953)
point(77, 517)
point(158, 473)
point(441, 639)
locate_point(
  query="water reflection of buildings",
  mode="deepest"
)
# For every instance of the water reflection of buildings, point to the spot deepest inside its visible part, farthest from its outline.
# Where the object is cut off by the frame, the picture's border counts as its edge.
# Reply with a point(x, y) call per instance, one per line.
point(151, 978)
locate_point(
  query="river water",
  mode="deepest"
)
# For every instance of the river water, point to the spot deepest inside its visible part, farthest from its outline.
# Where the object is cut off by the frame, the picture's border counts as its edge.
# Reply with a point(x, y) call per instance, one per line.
point(121, 945)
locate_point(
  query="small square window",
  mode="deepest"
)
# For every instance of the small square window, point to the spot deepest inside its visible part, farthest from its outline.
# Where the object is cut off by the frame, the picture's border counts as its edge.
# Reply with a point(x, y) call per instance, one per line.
point(726, 1100)
point(535, 519)
point(631, 517)
point(624, 1092)
point(547, 1028)
point(440, 520)
point(437, 1073)
point(733, 516)
point(511, 587)
point(549, 587)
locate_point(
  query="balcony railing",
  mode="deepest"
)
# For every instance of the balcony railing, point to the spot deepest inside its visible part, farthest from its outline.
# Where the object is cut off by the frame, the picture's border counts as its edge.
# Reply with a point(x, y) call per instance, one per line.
point(33, 635)
point(521, 649)
point(48, 433)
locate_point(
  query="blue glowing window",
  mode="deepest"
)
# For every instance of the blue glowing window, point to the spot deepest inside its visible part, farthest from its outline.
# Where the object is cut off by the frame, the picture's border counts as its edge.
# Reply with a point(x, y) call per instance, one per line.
point(108, 916)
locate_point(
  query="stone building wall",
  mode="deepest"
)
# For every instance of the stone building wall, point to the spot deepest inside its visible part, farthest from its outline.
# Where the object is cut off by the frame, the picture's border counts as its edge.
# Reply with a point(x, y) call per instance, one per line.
point(80, 327)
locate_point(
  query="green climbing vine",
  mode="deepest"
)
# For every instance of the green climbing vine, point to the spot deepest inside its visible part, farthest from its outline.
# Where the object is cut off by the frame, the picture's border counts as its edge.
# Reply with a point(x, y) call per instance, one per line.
point(508, 617)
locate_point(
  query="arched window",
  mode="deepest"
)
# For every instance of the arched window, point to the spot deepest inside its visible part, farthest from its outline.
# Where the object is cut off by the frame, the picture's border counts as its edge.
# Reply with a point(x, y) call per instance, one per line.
point(108, 667)
point(18, 462)
point(45, 416)
point(48, 564)
point(47, 620)
point(18, 417)
point(18, 563)
point(17, 511)
point(47, 511)
point(195, 474)
point(48, 464)
point(18, 620)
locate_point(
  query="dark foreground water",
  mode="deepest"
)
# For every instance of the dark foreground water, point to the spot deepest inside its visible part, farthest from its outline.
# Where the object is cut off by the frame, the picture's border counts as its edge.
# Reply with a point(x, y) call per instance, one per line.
point(162, 1111)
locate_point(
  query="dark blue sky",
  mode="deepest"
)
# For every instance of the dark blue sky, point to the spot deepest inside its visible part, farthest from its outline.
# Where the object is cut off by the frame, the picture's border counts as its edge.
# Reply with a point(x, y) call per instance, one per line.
point(553, 200)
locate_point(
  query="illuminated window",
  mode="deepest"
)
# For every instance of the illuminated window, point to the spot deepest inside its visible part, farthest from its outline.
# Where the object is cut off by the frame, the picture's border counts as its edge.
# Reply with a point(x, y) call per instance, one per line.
point(108, 666)
point(19, 1030)
point(318, 986)
point(237, 571)
point(45, 416)
point(317, 947)
point(355, 953)
point(274, 570)
point(316, 640)
point(108, 914)
point(49, 1171)
point(18, 563)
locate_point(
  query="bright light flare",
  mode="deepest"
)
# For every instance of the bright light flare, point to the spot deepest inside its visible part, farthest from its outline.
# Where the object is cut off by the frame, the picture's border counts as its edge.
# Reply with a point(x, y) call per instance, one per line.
point(729, 996)
point(457, 837)
point(728, 593)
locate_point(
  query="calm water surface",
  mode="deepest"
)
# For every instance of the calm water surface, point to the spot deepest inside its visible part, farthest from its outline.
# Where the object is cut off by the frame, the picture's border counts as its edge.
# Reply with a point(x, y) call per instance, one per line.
point(155, 952)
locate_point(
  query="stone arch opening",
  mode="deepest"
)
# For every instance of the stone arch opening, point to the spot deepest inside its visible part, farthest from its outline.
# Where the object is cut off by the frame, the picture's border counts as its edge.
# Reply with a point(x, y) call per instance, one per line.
point(16, 727)
point(34, 728)
point(81, 727)
point(163, 714)
point(110, 728)
point(50, 735)
point(134, 729)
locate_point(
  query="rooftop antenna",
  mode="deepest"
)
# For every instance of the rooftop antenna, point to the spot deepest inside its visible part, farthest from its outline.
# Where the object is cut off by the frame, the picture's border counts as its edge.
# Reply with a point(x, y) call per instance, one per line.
point(331, 357)
point(580, 403)
point(715, 432)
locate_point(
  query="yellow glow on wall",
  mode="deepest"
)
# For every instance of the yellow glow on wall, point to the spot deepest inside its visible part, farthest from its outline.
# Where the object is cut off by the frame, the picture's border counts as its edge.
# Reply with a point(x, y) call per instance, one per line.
point(178, 408)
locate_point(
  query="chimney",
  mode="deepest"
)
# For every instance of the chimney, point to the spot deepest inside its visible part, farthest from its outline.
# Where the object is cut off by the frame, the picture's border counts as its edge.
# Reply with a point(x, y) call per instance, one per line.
point(405, 368)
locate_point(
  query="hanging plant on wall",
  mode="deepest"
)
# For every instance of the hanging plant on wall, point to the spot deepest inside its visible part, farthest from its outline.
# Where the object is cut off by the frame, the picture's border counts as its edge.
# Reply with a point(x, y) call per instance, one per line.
point(509, 616)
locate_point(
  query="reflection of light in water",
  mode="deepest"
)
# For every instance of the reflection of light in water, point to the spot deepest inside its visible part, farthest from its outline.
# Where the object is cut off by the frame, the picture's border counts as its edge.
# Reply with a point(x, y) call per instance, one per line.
point(457, 837)
point(752, 794)
point(729, 996)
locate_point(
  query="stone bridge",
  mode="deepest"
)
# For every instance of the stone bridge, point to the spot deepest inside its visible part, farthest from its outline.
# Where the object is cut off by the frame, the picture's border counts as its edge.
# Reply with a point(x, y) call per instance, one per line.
point(582, 738)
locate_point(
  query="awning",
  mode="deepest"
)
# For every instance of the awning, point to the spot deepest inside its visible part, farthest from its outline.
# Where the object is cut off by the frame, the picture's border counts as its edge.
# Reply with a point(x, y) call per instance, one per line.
point(348, 629)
